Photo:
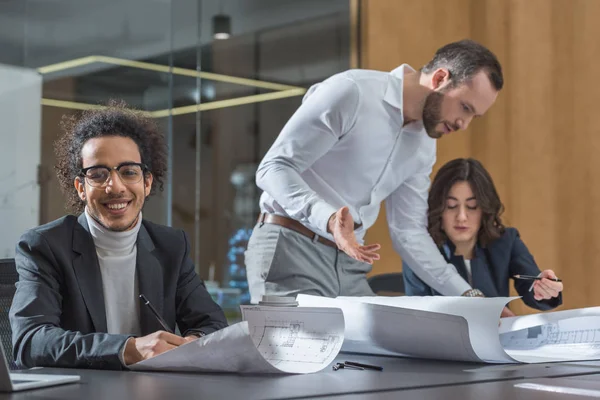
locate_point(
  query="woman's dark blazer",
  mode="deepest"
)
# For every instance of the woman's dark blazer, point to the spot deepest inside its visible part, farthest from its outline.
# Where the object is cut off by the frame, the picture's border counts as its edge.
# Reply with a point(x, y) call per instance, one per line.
point(491, 269)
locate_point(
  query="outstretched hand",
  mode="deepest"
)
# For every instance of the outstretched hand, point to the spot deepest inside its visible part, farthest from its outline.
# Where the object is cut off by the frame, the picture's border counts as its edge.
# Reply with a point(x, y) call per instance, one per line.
point(341, 226)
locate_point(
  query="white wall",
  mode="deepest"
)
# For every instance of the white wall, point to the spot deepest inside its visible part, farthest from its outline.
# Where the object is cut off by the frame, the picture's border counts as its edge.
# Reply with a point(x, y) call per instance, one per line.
point(20, 119)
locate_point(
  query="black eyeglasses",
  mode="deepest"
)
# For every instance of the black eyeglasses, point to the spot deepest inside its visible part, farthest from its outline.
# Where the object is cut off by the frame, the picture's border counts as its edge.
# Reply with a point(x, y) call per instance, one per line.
point(129, 173)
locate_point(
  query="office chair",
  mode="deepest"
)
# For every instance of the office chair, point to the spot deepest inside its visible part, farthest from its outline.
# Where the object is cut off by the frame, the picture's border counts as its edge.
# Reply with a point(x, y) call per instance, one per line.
point(8, 278)
point(390, 284)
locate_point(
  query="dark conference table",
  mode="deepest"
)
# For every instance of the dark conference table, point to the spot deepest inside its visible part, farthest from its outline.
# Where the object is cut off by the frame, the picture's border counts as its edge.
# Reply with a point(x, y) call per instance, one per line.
point(407, 377)
point(576, 387)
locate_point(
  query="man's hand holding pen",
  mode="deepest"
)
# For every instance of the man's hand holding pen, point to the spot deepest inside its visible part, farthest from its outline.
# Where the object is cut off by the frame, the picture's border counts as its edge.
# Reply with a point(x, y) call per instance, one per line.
point(145, 347)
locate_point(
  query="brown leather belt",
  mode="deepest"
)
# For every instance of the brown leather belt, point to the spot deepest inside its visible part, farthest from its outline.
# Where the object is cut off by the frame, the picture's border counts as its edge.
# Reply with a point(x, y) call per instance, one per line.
point(294, 225)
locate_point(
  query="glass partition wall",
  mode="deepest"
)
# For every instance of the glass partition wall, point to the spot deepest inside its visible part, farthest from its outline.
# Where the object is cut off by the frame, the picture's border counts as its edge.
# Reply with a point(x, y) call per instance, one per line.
point(220, 102)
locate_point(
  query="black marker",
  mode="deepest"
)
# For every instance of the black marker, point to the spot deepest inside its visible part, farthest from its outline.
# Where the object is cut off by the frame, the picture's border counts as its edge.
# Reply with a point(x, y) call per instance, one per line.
point(361, 365)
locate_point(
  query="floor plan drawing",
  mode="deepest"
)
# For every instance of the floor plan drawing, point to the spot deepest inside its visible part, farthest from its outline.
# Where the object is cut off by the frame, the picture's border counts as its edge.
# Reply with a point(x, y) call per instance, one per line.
point(291, 339)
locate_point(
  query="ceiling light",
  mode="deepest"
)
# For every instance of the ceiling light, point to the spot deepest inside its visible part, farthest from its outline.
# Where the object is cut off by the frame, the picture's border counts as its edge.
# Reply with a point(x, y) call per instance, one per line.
point(221, 26)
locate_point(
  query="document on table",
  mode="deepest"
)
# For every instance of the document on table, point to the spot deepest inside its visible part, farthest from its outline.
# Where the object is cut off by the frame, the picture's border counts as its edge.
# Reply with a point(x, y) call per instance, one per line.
point(270, 340)
point(436, 327)
point(463, 329)
point(570, 335)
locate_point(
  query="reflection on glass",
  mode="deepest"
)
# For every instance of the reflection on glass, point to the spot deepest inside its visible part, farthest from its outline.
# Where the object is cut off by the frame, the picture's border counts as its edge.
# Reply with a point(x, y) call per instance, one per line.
point(211, 193)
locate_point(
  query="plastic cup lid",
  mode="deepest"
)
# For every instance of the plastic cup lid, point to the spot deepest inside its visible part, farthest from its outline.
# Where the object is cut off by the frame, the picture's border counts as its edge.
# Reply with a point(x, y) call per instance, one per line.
point(278, 301)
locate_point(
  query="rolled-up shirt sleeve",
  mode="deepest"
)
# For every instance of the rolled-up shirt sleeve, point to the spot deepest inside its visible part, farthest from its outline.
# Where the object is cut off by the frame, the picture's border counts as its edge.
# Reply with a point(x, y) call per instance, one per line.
point(326, 114)
point(406, 210)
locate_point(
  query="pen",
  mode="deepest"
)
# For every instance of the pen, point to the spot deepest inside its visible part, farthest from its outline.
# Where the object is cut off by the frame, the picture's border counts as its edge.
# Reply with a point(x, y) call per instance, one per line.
point(361, 365)
point(534, 278)
point(340, 365)
point(158, 317)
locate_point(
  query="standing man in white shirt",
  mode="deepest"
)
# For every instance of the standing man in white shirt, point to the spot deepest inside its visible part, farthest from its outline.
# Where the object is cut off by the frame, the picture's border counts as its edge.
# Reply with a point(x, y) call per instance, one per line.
point(359, 138)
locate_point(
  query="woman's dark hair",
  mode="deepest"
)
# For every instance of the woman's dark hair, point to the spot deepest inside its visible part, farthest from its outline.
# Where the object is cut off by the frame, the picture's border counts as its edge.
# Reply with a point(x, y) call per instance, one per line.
point(472, 171)
point(116, 119)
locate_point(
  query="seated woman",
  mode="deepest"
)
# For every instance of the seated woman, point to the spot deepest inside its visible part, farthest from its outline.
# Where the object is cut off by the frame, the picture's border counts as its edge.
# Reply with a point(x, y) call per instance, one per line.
point(464, 221)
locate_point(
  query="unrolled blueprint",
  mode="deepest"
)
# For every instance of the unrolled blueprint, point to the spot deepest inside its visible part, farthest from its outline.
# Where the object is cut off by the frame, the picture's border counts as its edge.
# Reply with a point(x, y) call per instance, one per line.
point(465, 329)
point(270, 340)
point(447, 328)
point(571, 335)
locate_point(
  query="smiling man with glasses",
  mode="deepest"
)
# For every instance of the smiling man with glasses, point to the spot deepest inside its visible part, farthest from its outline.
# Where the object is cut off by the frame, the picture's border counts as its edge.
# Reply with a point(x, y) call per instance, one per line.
point(114, 199)
point(80, 278)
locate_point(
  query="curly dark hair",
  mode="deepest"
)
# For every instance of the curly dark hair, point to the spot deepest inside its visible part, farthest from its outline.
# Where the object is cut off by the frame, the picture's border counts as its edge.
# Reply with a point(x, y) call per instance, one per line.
point(472, 171)
point(116, 119)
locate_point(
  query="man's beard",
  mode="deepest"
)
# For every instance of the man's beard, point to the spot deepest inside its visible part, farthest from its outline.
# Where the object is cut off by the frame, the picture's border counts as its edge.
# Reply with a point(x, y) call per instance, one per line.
point(432, 114)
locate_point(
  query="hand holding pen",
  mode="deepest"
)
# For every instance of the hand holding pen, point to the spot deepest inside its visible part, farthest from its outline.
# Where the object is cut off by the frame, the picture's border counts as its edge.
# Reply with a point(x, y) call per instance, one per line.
point(142, 348)
point(161, 321)
point(545, 286)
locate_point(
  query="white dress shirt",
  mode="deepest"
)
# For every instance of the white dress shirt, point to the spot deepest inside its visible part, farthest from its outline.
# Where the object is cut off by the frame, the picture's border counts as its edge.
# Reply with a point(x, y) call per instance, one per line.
point(346, 146)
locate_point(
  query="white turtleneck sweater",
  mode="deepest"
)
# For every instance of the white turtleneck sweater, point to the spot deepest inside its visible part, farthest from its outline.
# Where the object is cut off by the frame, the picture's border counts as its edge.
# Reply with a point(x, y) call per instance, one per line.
point(117, 253)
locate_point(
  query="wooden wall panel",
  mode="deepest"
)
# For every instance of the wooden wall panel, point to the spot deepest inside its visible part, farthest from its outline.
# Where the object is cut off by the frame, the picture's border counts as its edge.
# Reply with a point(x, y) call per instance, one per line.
point(407, 31)
point(540, 141)
point(530, 98)
point(490, 142)
point(580, 260)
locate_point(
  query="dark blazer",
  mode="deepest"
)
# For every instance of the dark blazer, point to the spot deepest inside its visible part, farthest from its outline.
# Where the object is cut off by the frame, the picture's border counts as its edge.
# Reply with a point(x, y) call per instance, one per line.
point(58, 316)
point(491, 270)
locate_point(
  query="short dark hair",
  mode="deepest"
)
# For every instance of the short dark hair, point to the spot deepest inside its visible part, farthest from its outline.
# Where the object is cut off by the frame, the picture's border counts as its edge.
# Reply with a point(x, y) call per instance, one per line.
point(471, 171)
point(116, 119)
point(464, 59)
